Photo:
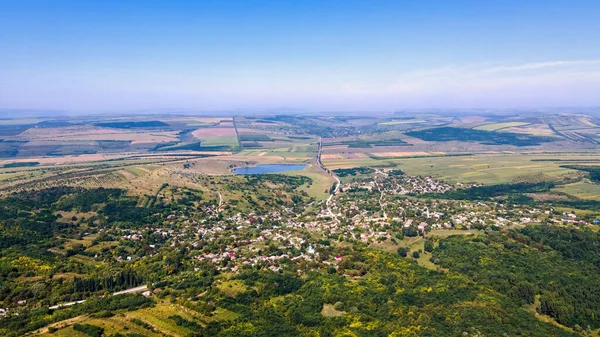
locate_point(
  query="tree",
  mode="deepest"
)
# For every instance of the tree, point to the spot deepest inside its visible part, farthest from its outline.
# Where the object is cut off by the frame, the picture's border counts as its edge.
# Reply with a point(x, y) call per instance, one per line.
point(428, 245)
point(402, 251)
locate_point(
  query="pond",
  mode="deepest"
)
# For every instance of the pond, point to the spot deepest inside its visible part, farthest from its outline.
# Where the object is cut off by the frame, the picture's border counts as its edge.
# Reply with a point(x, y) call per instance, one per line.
point(267, 168)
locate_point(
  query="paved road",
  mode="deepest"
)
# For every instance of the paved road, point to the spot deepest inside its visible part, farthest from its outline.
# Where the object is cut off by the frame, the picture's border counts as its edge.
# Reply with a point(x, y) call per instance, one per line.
point(126, 291)
point(132, 290)
point(337, 185)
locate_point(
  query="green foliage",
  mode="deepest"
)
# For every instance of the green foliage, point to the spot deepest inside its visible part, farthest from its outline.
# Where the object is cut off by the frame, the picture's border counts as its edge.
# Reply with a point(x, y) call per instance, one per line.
point(396, 172)
point(519, 265)
point(353, 171)
point(487, 192)
point(395, 295)
point(403, 251)
point(428, 246)
point(180, 321)
point(88, 329)
point(143, 324)
point(21, 164)
point(594, 171)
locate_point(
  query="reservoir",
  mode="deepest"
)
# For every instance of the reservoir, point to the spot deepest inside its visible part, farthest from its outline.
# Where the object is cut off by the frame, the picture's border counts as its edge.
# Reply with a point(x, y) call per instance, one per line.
point(267, 168)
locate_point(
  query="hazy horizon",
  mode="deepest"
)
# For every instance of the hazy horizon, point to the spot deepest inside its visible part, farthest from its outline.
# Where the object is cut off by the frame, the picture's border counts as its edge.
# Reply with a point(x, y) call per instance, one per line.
point(307, 56)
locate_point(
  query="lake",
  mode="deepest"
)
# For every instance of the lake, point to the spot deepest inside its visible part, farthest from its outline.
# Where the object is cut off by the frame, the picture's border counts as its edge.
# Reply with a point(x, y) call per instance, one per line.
point(267, 168)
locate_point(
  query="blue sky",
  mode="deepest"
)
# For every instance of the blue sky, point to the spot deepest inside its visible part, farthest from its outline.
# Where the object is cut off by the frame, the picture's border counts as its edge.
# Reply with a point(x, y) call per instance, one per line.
point(315, 55)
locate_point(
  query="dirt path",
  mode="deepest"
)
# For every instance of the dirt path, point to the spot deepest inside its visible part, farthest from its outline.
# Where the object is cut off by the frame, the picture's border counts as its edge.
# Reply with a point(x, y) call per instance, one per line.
point(220, 202)
point(65, 323)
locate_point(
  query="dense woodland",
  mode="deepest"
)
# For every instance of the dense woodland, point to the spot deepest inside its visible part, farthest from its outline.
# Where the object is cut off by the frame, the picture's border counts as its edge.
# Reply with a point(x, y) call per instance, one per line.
point(446, 134)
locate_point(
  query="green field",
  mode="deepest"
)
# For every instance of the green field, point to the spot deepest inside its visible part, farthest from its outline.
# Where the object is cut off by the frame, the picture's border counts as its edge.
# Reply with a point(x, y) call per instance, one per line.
point(581, 189)
point(220, 141)
point(480, 168)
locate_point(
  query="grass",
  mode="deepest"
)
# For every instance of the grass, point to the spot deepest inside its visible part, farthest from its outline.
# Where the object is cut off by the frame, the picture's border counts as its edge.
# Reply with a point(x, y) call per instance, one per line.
point(581, 189)
point(321, 182)
point(232, 288)
point(136, 171)
point(101, 245)
point(220, 141)
point(6, 176)
point(417, 243)
point(159, 317)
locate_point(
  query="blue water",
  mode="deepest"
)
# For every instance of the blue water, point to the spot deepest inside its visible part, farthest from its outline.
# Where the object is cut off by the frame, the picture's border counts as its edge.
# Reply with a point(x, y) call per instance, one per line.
point(267, 168)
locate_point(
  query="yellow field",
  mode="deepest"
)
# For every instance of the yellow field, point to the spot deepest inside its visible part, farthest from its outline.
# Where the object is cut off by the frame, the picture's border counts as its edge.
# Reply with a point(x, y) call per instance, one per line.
point(400, 154)
point(41, 136)
point(531, 129)
point(410, 121)
point(497, 126)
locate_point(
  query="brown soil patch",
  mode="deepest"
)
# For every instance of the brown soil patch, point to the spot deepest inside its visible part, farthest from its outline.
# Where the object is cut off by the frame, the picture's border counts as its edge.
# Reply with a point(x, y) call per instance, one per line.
point(213, 132)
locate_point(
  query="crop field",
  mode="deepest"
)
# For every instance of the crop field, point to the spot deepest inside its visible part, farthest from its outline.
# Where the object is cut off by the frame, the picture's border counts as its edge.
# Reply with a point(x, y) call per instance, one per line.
point(196, 121)
point(472, 119)
point(77, 133)
point(217, 136)
point(203, 133)
point(400, 122)
point(402, 154)
point(347, 142)
point(20, 121)
point(531, 129)
point(498, 126)
point(478, 168)
point(569, 121)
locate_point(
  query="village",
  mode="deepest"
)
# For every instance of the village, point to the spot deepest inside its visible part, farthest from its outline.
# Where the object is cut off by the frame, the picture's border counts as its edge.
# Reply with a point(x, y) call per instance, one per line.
point(381, 207)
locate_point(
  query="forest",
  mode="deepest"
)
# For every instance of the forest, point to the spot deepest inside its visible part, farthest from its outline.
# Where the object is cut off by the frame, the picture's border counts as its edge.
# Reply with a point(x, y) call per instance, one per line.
point(446, 134)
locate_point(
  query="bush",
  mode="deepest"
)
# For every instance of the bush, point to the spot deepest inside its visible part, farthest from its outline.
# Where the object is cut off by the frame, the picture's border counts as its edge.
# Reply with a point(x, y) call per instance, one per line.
point(88, 329)
point(416, 255)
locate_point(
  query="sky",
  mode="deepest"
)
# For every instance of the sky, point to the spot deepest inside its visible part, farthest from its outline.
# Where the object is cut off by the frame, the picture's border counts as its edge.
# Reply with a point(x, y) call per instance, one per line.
point(348, 55)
